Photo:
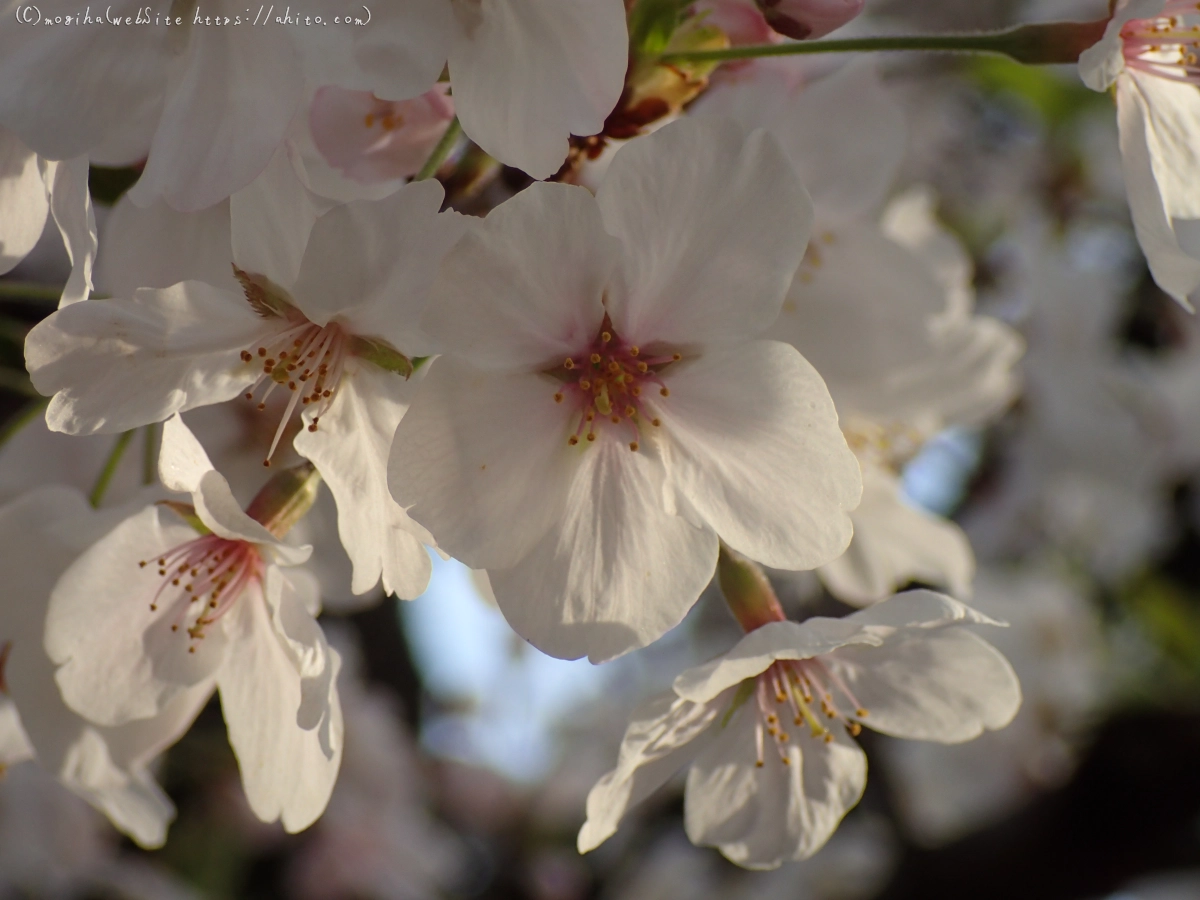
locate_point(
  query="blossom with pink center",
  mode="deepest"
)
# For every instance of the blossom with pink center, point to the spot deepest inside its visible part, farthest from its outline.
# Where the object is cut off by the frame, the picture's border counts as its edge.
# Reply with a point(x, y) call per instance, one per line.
point(166, 606)
point(41, 534)
point(371, 140)
point(767, 729)
point(326, 313)
point(602, 411)
point(1150, 53)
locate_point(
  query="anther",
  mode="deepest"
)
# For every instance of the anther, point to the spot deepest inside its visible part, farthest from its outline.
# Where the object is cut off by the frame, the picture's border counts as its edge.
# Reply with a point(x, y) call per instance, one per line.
point(634, 351)
point(591, 435)
point(665, 392)
point(595, 358)
point(262, 351)
point(655, 422)
point(246, 356)
point(605, 337)
point(569, 363)
point(572, 440)
point(633, 445)
point(558, 398)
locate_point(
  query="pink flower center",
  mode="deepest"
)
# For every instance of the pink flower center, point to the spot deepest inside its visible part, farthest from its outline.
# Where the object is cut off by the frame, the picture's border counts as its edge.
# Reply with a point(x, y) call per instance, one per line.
point(212, 573)
point(305, 359)
point(613, 382)
point(792, 691)
point(1166, 46)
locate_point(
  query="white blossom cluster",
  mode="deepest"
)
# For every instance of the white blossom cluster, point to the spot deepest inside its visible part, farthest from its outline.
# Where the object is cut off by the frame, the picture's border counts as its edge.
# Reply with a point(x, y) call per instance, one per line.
point(706, 334)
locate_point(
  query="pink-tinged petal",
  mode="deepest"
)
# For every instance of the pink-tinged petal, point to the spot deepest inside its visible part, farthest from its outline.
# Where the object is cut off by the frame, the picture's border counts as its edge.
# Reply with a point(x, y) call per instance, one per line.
point(712, 225)
point(754, 448)
point(664, 734)
point(524, 288)
point(119, 659)
point(740, 20)
point(224, 118)
point(405, 49)
point(261, 695)
point(113, 365)
point(844, 134)
point(370, 140)
point(809, 19)
point(71, 206)
point(762, 816)
point(350, 450)
point(527, 74)
point(158, 246)
point(23, 199)
point(481, 460)
point(222, 514)
point(616, 571)
point(946, 685)
point(270, 222)
point(1100, 64)
point(371, 265)
point(63, 91)
point(894, 543)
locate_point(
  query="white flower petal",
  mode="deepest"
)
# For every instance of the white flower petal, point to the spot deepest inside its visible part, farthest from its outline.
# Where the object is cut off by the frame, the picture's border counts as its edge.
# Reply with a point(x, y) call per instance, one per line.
point(23, 199)
point(664, 734)
point(224, 118)
point(844, 133)
point(945, 685)
point(527, 74)
point(118, 659)
point(270, 222)
point(405, 48)
point(71, 205)
point(894, 543)
point(524, 288)
point(1158, 126)
point(617, 571)
point(920, 609)
point(350, 450)
point(481, 460)
point(713, 225)
point(762, 816)
point(158, 246)
point(182, 461)
point(371, 265)
point(754, 447)
point(285, 772)
point(119, 364)
point(1100, 64)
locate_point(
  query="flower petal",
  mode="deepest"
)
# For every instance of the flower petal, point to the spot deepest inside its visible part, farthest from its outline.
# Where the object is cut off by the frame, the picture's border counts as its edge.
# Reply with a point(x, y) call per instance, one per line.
point(119, 364)
point(261, 695)
point(371, 264)
point(753, 446)
point(664, 734)
point(350, 449)
point(844, 133)
point(945, 685)
point(23, 199)
point(894, 543)
point(71, 205)
point(616, 571)
point(119, 659)
point(1100, 64)
point(713, 225)
point(524, 288)
point(482, 461)
point(762, 816)
point(405, 49)
point(224, 117)
point(527, 74)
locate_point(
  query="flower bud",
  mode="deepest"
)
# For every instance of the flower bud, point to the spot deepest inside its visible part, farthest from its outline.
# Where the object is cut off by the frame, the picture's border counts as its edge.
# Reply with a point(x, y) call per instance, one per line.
point(805, 19)
point(747, 591)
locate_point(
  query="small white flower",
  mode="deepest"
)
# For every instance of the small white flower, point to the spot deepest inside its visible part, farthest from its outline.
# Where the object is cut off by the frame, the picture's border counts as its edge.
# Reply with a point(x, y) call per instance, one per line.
point(156, 610)
point(602, 412)
point(767, 728)
point(322, 317)
point(41, 534)
point(1150, 53)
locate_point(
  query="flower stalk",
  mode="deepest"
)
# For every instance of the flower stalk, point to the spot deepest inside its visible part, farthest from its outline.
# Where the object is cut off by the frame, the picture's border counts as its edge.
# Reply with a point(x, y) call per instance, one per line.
point(441, 151)
point(747, 590)
point(285, 499)
point(100, 488)
point(1033, 44)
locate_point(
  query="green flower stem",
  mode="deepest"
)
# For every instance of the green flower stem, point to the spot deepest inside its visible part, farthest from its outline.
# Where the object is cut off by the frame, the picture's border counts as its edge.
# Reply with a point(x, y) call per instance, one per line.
point(441, 151)
point(1036, 44)
point(21, 418)
point(30, 290)
point(149, 453)
point(110, 467)
point(747, 591)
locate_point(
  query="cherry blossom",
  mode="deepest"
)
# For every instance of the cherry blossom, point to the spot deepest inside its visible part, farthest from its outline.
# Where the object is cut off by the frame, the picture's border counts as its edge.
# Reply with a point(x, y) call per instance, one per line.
point(44, 531)
point(767, 729)
point(329, 318)
point(1149, 54)
point(167, 605)
point(603, 413)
